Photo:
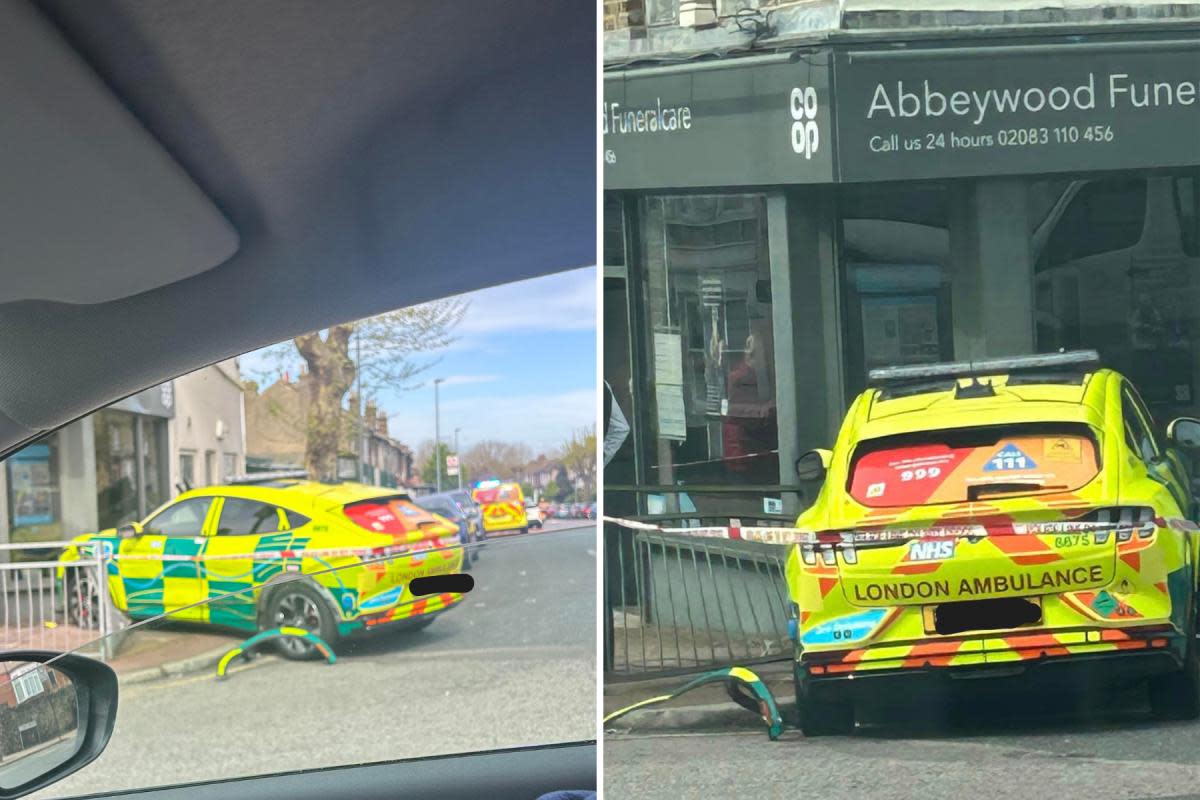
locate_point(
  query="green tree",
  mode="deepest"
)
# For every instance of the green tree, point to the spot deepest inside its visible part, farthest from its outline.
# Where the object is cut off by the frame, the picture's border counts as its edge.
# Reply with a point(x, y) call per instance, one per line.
point(431, 462)
point(579, 457)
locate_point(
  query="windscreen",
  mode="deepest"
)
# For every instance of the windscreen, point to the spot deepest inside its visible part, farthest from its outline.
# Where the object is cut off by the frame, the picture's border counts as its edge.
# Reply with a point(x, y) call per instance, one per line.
point(374, 647)
point(964, 464)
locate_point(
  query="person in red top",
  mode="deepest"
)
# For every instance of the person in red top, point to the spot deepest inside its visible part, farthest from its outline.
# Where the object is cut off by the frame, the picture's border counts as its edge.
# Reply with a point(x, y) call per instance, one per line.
point(749, 425)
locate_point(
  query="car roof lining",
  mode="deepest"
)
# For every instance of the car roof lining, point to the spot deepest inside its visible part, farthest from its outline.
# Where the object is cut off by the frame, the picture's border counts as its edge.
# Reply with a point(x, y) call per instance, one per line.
point(368, 159)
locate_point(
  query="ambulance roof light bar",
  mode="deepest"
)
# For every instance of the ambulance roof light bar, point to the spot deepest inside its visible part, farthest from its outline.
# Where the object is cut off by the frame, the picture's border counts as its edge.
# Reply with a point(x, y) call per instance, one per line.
point(1081, 360)
point(252, 478)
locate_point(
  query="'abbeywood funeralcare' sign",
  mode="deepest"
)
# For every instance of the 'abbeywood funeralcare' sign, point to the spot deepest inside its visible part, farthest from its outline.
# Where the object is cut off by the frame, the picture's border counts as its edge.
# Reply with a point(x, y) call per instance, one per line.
point(1007, 110)
point(905, 114)
point(751, 121)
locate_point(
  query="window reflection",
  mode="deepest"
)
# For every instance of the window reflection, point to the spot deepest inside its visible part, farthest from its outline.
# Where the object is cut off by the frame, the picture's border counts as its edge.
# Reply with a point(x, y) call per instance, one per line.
point(709, 304)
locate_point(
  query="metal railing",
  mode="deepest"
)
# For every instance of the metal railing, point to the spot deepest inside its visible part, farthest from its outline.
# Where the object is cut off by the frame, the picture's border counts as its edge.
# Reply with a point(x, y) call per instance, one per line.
point(44, 610)
point(676, 604)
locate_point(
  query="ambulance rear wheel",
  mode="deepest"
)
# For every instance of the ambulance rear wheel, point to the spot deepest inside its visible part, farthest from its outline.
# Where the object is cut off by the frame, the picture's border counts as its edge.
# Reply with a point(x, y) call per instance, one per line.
point(298, 605)
point(820, 715)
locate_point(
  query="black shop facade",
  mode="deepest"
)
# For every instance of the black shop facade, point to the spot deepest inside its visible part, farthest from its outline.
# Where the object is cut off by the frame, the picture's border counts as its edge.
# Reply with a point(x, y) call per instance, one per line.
point(778, 224)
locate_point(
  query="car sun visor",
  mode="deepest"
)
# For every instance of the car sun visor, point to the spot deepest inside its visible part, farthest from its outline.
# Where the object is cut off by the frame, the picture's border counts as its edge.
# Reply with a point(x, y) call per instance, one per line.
point(93, 208)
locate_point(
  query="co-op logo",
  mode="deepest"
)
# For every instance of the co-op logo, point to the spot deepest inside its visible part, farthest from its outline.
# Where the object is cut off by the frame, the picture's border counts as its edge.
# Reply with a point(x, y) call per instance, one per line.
point(806, 137)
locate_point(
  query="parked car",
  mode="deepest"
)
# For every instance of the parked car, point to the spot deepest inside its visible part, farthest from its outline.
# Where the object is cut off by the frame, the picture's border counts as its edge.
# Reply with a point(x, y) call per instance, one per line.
point(563, 511)
point(469, 507)
point(227, 538)
point(470, 529)
point(533, 513)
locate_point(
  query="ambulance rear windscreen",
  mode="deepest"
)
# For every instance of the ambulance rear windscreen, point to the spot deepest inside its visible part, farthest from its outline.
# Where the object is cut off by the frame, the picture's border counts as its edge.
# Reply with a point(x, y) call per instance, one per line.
point(968, 464)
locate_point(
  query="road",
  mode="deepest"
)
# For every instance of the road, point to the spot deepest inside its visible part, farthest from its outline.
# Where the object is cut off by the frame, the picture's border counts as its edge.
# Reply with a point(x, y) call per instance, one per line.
point(24, 767)
point(1043, 748)
point(514, 665)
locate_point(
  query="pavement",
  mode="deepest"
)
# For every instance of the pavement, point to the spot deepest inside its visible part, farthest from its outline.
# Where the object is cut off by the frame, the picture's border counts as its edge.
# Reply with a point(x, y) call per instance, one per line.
point(1028, 744)
point(513, 665)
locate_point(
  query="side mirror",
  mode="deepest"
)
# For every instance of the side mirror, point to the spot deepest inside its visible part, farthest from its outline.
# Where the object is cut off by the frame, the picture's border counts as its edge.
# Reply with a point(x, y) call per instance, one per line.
point(129, 530)
point(1184, 433)
point(56, 716)
point(813, 465)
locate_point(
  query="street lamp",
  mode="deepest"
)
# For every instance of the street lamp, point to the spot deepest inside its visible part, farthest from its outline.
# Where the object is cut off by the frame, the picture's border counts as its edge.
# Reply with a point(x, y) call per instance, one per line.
point(460, 466)
point(437, 435)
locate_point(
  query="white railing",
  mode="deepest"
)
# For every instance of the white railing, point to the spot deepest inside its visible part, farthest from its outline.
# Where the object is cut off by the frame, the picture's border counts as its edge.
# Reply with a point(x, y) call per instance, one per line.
point(43, 610)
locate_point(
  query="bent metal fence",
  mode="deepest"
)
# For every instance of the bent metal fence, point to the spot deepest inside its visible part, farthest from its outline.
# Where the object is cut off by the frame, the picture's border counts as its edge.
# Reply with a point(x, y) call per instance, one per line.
point(676, 603)
point(44, 610)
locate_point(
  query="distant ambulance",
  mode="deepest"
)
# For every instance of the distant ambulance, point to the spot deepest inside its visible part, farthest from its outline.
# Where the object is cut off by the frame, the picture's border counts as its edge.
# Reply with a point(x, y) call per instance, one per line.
point(503, 506)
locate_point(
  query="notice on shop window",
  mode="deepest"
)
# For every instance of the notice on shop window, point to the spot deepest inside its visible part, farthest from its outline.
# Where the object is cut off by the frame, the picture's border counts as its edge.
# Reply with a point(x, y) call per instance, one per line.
point(668, 381)
point(672, 421)
point(668, 358)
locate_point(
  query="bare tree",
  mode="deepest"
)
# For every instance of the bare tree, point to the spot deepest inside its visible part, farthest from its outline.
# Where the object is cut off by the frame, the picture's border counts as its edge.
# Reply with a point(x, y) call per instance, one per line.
point(390, 345)
point(495, 459)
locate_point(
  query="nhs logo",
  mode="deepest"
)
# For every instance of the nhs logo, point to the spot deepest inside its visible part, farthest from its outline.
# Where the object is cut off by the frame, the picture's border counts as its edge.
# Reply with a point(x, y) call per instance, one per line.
point(935, 550)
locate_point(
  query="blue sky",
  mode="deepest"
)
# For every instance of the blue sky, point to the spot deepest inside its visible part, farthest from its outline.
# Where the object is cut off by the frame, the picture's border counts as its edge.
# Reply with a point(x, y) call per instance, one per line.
point(523, 368)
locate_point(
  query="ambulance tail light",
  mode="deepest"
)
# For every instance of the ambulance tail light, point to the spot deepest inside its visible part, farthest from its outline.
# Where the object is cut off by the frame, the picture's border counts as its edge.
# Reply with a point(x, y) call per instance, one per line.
point(1126, 522)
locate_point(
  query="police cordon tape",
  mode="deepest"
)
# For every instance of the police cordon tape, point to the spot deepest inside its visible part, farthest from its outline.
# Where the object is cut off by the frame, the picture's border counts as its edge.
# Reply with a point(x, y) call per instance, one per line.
point(388, 551)
point(882, 534)
point(378, 553)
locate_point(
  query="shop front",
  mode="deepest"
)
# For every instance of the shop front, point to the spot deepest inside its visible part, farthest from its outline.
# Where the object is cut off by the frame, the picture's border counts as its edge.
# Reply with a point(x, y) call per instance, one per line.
point(98, 472)
point(949, 200)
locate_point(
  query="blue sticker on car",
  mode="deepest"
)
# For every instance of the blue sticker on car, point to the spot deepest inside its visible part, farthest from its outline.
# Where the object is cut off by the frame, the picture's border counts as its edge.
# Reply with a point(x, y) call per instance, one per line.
point(1009, 457)
point(843, 630)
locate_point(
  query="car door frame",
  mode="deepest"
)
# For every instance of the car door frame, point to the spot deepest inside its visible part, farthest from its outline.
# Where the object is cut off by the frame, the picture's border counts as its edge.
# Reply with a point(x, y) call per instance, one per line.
point(146, 544)
point(233, 592)
point(1161, 468)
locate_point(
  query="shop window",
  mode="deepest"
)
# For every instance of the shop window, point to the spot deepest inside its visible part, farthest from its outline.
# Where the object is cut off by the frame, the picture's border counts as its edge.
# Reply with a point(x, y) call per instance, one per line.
point(116, 468)
point(894, 256)
point(1118, 272)
point(154, 463)
point(620, 14)
point(187, 470)
point(131, 465)
point(662, 12)
point(228, 466)
point(711, 347)
point(185, 518)
point(34, 499)
point(1187, 205)
point(1104, 216)
point(614, 231)
point(247, 517)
